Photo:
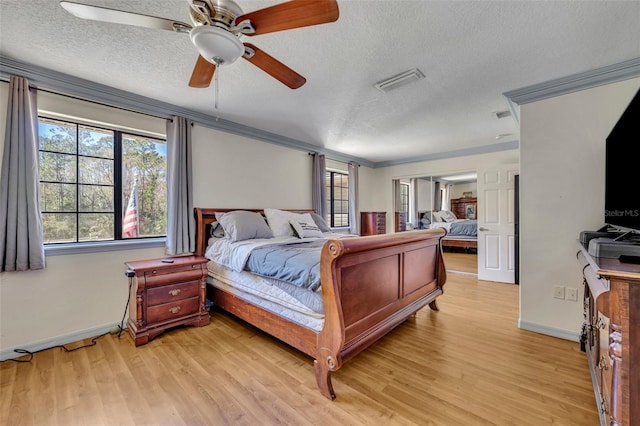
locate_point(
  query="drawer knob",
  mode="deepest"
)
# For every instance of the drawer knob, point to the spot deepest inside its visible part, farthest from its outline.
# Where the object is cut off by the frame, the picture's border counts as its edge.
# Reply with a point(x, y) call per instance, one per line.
point(603, 405)
point(175, 309)
point(174, 292)
point(602, 364)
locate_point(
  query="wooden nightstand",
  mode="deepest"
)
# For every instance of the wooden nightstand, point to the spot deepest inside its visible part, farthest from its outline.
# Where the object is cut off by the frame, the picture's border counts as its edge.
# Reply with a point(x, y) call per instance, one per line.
point(166, 294)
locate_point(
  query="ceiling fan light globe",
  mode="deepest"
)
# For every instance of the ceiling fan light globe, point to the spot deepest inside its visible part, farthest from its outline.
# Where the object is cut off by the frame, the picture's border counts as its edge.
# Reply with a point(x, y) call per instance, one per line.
point(217, 45)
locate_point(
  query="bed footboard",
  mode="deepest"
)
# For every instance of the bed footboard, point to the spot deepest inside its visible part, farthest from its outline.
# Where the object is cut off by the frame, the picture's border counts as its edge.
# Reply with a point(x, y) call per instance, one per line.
point(370, 285)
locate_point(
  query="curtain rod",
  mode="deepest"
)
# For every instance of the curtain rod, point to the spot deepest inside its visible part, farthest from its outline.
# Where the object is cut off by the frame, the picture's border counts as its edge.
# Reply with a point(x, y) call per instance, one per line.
point(337, 161)
point(53, 92)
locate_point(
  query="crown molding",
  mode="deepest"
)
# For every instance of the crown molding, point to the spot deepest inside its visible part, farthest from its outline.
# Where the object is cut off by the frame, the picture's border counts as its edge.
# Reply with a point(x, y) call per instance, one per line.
point(65, 84)
point(485, 149)
point(572, 83)
point(73, 86)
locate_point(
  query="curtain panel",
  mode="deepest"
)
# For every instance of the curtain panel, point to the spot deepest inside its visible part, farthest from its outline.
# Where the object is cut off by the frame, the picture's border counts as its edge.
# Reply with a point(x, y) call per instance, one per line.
point(437, 197)
point(354, 227)
point(181, 223)
point(413, 203)
point(21, 239)
point(318, 185)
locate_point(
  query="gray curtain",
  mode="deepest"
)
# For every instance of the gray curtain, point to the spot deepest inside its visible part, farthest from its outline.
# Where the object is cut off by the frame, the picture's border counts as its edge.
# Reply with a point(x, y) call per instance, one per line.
point(21, 241)
point(354, 227)
point(181, 223)
point(396, 195)
point(319, 181)
point(437, 197)
point(413, 203)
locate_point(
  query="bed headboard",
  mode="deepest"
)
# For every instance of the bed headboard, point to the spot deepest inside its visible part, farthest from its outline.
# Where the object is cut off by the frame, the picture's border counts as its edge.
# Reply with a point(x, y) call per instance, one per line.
point(206, 219)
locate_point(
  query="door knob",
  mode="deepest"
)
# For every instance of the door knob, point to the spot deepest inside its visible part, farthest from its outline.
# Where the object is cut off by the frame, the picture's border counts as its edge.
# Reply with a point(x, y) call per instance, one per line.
point(483, 229)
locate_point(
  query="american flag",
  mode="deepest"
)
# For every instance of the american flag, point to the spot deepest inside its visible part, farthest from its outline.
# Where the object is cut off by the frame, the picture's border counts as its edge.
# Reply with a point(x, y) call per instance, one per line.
point(130, 221)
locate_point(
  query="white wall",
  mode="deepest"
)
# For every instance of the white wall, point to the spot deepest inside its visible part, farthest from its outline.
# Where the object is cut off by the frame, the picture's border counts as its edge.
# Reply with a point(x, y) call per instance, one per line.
point(76, 296)
point(562, 146)
point(425, 194)
point(384, 176)
point(81, 295)
point(458, 189)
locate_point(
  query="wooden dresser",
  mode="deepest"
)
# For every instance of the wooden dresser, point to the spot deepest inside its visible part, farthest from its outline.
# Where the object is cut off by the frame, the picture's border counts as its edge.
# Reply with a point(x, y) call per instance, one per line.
point(400, 221)
point(462, 207)
point(166, 293)
point(611, 336)
point(372, 223)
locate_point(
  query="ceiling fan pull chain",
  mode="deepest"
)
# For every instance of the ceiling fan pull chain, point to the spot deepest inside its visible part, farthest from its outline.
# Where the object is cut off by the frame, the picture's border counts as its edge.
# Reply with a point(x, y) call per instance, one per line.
point(216, 84)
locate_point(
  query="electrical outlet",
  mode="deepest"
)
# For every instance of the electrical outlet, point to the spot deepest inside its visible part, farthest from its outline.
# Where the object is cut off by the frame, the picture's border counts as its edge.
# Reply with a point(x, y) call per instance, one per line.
point(558, 292)
point(572, 293)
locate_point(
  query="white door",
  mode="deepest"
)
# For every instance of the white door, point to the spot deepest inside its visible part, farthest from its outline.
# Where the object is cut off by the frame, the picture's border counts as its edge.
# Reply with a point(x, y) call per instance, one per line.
point(496, 216)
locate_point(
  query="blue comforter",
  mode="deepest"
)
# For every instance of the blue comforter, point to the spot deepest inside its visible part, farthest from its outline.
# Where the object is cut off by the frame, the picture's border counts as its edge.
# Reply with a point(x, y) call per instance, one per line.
point(298, 264)
point(464, 227)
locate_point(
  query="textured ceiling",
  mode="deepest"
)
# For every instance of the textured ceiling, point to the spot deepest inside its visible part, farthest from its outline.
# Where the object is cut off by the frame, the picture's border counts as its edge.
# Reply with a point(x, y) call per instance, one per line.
point(471, 53)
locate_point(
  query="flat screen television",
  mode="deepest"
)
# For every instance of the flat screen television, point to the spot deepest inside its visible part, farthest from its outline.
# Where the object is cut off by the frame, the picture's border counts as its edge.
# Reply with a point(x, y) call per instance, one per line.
point(622, 186)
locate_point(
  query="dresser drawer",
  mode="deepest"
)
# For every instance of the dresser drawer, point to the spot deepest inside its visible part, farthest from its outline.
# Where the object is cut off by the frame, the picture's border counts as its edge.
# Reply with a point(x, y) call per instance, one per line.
point(172, 310)
point(172, 293)
point(162, 276)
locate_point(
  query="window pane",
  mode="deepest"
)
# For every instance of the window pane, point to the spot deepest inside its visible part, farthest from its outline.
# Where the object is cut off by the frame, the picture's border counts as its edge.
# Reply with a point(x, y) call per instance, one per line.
point(59, 227)
point(96, 226)
point(144, 160)
point(338, 199)
point(95, 142)
point(95, 170)
point(96, 198)
point(57, 136)
point(57, 167)
point(57, 197)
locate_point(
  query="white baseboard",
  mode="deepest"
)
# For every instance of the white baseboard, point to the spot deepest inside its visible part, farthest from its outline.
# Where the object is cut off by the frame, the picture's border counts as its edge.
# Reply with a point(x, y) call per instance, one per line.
point(549, 331)
point(9, 353)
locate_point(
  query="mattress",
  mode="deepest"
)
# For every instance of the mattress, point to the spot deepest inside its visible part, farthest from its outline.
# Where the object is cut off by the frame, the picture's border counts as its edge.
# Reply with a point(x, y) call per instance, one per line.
point(268, 294)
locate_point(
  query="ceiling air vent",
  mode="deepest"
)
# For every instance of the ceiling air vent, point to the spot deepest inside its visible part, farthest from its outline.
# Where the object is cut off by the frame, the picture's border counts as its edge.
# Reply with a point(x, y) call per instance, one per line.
point(501, 114)
point(399, 80)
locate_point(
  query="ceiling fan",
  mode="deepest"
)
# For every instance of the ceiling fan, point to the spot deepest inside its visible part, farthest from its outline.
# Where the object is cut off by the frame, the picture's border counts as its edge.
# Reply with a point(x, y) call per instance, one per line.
point(217, 28)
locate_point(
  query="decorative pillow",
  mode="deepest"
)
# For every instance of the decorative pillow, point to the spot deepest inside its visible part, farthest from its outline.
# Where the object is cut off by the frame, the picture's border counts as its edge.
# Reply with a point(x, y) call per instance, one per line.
point(320, 222)
point(279, 221)
point(242, 225)
point(447, 216)
point(425, 221)
point(305, 227)
point(436, 217)
point(217, 231)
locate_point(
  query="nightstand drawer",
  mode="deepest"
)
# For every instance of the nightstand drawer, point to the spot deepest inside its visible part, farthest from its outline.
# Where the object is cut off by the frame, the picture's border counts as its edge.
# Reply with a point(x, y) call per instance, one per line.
point(172, 310)
point(172, 293)
point(162, 276)
point(166, 293)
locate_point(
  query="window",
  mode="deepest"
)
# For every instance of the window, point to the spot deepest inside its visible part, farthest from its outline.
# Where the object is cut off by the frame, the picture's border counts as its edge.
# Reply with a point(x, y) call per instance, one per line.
point(88, 175)
point(337, 198)
point(404, 197)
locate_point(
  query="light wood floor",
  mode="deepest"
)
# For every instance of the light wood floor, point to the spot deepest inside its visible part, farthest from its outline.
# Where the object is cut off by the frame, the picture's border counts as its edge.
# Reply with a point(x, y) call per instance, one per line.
point(467, 364)
point(460, 261)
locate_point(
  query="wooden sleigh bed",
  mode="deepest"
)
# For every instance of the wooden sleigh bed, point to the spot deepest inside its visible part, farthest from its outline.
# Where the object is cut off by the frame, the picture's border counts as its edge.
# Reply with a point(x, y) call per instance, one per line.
point(369, 286)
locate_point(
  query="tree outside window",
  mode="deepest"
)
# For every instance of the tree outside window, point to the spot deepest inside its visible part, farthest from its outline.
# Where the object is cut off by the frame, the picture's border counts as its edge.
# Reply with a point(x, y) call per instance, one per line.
point(337, 191)
point(87, 174)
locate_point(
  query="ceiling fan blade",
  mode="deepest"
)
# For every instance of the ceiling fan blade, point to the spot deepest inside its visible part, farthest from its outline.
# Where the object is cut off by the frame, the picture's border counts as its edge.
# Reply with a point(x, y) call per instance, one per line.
point(202, 73)
point(273, 67)
point(291, 14)
point(104, 14)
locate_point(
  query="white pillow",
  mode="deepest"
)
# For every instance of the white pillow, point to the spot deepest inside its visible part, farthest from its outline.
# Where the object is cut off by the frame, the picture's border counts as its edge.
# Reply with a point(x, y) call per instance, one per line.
point(305, 227)
point(447, 216)
point(436, 217)
point(279, 221)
